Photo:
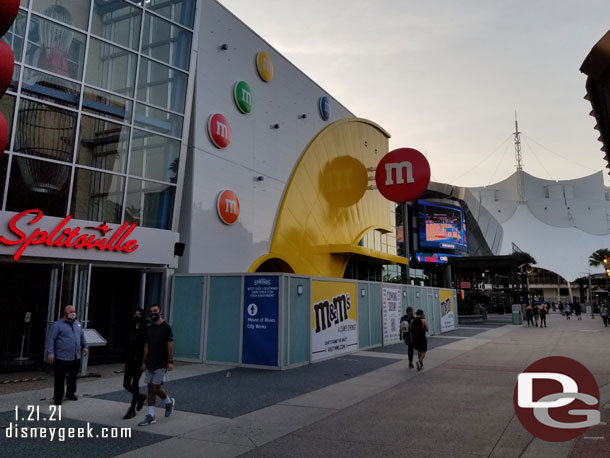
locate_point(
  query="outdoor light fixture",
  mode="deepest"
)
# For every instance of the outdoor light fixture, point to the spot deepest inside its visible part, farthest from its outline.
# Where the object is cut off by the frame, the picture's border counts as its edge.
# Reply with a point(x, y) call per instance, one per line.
point(363, 292)
point(416, 293)
point(404, 294)
point(299, 289)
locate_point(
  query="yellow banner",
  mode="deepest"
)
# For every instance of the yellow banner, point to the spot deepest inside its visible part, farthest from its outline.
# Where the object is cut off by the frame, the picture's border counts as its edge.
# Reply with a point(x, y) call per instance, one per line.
point(447, 310)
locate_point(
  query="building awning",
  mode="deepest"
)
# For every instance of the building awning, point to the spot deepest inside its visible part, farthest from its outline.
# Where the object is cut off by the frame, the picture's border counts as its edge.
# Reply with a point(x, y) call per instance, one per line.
point(370, 255)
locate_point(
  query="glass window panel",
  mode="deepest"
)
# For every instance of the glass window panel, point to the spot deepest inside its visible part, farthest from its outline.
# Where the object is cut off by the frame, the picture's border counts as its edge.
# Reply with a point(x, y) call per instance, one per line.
point(158, 120)
point(45, 131)
point(7, 108)
point(103, 144)
point(154, 156)
point(108, 105)
point(166, 42)
point(25, 3)
point(52, 88)
point(3, 166)
point(97, 196)
point(117, 21)
point(15, 36)
point(71, 12)
point(181, 11)
point(161, 86)
point(55, 48)
point(149, 204)
point(38, 184)
point(111, 67)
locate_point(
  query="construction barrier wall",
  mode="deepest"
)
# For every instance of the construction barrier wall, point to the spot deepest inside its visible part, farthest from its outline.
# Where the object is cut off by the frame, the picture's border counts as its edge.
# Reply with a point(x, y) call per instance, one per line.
point(279, 321)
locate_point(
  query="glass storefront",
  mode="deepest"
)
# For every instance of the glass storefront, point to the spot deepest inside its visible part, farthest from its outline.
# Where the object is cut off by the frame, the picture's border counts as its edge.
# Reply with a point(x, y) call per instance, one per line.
point(96, 109)
point(96, 116)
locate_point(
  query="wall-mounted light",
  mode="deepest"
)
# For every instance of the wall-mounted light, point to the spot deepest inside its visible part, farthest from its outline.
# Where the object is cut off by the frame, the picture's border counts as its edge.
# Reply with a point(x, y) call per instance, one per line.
point(363, 292)
point(275, 126)
point(259, 178)
point(299, 289)
point(224, 46)
point(417, 294)
point(404, 294)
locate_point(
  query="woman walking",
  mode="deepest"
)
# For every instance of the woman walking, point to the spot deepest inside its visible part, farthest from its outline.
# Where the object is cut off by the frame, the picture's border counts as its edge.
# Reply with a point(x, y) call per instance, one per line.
point(419, 327)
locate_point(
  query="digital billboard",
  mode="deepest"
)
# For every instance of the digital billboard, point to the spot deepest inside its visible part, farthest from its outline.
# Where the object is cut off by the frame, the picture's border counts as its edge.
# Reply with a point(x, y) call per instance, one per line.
point(439, 258)
point(441, 227)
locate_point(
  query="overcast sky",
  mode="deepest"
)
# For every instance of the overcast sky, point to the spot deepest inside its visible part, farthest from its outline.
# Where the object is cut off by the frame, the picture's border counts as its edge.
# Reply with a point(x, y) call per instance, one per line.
point(447, 76)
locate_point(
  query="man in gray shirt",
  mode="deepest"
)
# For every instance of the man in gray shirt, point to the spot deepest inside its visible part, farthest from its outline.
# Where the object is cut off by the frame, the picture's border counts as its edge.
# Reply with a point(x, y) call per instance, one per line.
point(66, 345)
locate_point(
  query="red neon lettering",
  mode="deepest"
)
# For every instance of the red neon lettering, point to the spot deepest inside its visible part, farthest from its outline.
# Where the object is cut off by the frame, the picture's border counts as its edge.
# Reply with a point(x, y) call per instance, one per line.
point(56, 231)
point(12, 225)
point(130, 245)
point(67, 237)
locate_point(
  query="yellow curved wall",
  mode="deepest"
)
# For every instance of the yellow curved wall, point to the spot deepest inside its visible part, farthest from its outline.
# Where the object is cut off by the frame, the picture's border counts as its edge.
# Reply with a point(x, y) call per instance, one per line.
point(326, 202)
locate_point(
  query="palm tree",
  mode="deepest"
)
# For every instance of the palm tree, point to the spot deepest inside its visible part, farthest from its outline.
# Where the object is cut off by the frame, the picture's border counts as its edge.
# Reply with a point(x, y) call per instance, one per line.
point(597, 257)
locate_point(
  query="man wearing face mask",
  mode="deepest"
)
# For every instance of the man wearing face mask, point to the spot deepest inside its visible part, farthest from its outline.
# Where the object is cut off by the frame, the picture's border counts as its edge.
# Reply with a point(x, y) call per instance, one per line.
point(132, 362)
point(158, 359)
point(66, 345)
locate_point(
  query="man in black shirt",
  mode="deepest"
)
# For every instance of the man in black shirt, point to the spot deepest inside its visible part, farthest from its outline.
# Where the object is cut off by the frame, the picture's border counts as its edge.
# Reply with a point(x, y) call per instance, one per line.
point(405, 334)
point(158, 359)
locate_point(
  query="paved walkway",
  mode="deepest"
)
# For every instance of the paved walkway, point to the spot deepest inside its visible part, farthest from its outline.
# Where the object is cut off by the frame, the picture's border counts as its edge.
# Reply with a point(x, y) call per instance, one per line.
point(368, 404)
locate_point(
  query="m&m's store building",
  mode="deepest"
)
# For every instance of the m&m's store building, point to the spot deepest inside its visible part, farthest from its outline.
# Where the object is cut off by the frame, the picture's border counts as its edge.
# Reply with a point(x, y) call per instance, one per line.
point(161, 152)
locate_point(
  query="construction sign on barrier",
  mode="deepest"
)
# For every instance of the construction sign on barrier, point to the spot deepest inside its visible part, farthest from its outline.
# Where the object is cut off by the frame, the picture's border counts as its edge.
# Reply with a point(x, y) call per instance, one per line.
point(334, 319)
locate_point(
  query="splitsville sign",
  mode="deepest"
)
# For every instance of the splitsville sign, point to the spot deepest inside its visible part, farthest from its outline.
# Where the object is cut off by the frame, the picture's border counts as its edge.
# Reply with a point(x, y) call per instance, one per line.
point(67, 237)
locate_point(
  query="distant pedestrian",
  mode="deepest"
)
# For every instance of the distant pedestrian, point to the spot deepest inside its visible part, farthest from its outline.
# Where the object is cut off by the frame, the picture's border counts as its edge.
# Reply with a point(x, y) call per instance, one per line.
point(132, 362)
point(419, 327)
point(536, 313)
point(543, 313)
point(529, 314)
point(568, 310)
point(405, 323)
point(577, 310)
point(158, 359)
point(604, 313)
point(65, 346)
point(554, 307)
point(560, 306)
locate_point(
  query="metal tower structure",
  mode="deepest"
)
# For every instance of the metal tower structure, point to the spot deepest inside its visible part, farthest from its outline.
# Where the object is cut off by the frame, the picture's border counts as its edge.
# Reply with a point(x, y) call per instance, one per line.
point(519, 163)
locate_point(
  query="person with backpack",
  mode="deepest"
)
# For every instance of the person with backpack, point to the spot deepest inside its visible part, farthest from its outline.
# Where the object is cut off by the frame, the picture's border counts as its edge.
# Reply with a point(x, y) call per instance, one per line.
point(405, 323)
point(418, 329)
point(536, 313)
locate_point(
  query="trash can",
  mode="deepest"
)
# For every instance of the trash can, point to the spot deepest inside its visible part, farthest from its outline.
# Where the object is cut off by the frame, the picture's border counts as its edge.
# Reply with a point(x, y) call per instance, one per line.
point(517, 315)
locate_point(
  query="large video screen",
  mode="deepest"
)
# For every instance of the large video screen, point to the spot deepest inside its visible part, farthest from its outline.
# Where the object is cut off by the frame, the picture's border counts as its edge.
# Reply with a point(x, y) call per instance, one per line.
point(438, 258)
point(441, 226)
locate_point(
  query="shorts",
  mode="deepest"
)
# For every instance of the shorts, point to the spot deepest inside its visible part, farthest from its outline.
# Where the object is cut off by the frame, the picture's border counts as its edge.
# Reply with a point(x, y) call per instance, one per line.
point(156, 377)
